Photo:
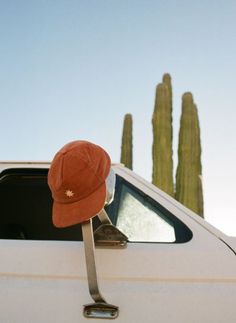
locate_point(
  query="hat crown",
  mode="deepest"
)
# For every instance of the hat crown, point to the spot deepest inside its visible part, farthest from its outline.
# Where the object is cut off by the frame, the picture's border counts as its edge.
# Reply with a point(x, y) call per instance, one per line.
point(77, 170)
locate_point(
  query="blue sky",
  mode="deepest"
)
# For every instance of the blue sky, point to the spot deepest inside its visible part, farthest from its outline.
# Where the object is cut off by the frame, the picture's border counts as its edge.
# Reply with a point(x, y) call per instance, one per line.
point(72, 70)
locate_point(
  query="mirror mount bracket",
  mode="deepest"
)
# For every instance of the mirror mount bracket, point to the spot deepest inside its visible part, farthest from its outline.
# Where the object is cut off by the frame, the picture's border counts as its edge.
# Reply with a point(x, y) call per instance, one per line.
point(107, 235)
point(100, 308)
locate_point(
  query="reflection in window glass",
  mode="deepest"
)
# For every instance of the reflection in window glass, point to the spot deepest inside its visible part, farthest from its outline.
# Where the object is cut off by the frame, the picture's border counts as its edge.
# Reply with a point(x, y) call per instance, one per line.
point(141, 221)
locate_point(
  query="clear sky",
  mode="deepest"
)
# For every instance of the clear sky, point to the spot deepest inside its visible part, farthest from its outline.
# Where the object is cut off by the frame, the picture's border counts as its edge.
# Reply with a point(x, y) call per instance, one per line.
point(71, 69)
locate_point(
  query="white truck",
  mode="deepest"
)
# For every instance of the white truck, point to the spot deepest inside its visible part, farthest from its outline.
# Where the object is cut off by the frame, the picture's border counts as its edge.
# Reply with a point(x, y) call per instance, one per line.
point(175, 267)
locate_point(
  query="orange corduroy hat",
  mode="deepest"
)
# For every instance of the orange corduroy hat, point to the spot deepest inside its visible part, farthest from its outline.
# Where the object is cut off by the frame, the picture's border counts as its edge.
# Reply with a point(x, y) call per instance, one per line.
point(77, 181)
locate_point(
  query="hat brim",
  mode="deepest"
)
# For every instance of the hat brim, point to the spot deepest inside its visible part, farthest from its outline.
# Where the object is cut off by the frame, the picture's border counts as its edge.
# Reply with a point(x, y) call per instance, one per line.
point(68, 214)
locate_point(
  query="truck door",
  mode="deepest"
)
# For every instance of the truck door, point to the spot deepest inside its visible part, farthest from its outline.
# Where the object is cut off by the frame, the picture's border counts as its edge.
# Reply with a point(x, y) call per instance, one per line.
point(173, 269)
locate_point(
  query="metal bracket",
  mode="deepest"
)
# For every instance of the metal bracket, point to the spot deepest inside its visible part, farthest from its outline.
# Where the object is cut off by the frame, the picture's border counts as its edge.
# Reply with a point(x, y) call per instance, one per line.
point(107, 235)
point(99, 309)
point(103, 217)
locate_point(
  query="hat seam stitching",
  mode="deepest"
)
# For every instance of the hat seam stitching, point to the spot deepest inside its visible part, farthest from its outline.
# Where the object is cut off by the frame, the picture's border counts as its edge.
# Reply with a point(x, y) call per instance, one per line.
point(93, 169)
point(81, 156)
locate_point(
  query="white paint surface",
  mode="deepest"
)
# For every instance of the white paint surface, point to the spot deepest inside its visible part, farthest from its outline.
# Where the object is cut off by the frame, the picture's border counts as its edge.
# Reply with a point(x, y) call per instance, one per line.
point(45, 281)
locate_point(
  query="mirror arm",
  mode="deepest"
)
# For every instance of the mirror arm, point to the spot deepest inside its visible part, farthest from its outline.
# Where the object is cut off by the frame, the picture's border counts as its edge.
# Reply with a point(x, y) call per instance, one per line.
point(99, 309)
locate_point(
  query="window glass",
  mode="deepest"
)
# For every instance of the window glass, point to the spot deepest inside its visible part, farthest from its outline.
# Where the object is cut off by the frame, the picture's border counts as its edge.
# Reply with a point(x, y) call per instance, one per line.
point(141, 221)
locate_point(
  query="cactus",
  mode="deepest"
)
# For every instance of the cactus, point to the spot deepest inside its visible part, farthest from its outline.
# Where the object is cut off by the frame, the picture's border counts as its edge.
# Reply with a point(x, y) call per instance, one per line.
point(189, 169)
point(167, 80)
point(127, 142)
point(162, 175)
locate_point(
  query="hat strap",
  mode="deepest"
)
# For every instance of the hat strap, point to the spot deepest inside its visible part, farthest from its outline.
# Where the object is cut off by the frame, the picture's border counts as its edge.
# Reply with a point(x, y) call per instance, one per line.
point(99, 309)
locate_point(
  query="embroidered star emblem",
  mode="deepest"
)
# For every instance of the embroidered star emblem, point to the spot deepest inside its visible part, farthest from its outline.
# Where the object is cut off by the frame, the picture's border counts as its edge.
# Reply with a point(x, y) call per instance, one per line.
point(69, 193)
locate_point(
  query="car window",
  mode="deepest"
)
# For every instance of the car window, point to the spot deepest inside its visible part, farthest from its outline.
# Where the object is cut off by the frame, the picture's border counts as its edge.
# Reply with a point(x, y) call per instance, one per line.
point(26, 207)
point(143, 219)
point(26, 212)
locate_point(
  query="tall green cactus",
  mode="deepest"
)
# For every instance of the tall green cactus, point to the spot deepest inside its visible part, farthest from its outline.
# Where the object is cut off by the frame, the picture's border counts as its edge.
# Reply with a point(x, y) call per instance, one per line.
point(189, 170)
point(162, 175)
point(127, 142)
point(166, 79)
